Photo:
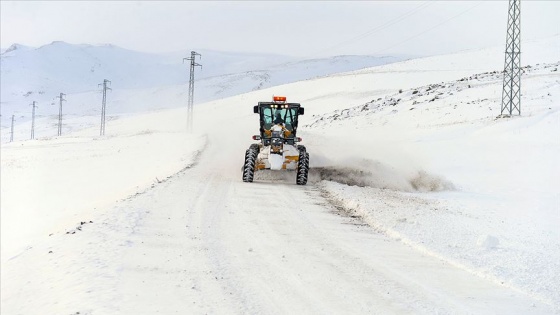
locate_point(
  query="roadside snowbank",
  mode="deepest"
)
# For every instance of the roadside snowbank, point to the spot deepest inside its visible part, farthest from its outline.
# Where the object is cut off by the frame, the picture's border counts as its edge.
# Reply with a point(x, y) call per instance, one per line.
point(495, 206)
point(52, 183)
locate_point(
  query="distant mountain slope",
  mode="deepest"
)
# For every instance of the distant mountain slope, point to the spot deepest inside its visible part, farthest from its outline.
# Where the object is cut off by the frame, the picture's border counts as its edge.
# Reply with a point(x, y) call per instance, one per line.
point(29, 73)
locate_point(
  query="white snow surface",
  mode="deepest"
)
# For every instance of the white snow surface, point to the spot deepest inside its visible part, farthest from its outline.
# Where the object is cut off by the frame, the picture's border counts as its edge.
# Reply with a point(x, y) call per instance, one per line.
point(420, 201)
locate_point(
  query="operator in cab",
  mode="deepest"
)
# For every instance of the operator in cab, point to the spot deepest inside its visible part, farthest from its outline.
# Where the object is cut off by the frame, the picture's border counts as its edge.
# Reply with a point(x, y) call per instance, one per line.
point(278, 126)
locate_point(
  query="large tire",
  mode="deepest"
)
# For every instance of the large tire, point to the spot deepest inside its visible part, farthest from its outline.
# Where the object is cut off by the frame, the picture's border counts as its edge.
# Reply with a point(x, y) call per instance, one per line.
point(249, 165)
point(301, 148)
point(303, 168)
point(255, 147)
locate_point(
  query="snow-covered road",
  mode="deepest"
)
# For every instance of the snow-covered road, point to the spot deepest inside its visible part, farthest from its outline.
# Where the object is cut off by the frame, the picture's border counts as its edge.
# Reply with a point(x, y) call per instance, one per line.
point(209, 243)
point(204, 242)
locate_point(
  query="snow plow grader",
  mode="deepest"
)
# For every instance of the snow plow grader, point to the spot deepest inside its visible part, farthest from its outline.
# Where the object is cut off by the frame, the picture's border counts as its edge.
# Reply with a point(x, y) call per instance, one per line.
point(278, 149)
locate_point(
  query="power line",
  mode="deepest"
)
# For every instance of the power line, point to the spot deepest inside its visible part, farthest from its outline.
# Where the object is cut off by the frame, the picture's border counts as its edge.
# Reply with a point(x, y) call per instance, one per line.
point(427, 30)
point(377, 28)
point(363, 35)
point(33, 119)
point(511, 92)
point(12, 130)
point(61, 97)
point(387, 24)
point(190, 110)
point(103, 105)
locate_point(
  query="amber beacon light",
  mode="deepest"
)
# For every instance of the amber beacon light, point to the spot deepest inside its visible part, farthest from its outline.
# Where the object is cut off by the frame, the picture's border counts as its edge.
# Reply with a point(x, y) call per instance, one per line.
point(278, 98)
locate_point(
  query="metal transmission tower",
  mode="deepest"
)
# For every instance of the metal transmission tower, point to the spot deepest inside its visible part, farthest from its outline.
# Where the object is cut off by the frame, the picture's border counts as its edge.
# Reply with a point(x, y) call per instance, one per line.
point(12, 130)
point(191, 89)
point(511, 93)
point(33, 120)
point(61, 97)
point(103, 105)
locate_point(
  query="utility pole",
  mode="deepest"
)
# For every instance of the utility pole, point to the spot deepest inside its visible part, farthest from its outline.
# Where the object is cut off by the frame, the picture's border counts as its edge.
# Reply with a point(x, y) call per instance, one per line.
point(33, 120)
point(61, 97)
point(12, 130)
point(511, 92)
point(191, 89)
point(103, 105)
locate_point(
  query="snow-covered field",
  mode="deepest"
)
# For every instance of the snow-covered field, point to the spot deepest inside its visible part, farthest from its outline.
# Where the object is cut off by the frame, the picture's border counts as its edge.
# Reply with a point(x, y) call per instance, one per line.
point(419, 201)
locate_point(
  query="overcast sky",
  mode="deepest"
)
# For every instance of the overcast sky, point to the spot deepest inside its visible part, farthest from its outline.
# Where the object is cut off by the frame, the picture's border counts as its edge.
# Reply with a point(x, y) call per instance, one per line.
point(297, 28)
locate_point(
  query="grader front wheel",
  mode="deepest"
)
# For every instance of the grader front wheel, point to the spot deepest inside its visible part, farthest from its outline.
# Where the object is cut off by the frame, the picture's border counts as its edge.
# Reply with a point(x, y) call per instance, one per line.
point(303, 168)
point(249, 165)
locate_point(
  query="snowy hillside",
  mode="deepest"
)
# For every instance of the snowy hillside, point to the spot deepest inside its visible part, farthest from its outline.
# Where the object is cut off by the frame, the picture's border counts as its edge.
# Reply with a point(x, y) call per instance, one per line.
point(71, 68)
point(40, 74)
point(420, 200)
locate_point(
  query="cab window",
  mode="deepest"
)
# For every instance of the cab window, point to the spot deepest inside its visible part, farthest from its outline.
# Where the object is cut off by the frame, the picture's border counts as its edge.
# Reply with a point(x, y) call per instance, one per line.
point(267, 117)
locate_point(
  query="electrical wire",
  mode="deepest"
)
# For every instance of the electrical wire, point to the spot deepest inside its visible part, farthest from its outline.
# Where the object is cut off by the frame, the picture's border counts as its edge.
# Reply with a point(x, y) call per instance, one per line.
point(377, 28)
point(431, 28)
point(361, 36)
